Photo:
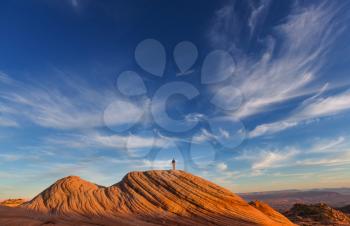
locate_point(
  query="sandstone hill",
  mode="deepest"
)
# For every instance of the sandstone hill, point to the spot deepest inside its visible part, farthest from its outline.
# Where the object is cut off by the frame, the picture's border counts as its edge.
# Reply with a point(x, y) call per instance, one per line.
point(268, 211)
point(158, 197)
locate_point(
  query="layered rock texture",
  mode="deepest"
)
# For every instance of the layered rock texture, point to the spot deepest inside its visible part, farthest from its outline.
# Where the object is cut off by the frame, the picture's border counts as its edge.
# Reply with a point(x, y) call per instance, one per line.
point(12, 202)
point(149, 198)
point(268, 211)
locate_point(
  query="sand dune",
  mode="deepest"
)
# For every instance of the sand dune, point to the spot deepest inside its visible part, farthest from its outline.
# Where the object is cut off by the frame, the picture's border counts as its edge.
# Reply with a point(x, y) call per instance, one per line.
point(149, 198)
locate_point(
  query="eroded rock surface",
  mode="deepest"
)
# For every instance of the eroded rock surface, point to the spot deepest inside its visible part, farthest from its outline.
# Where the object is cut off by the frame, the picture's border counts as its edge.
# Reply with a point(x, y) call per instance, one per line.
point(157, 197)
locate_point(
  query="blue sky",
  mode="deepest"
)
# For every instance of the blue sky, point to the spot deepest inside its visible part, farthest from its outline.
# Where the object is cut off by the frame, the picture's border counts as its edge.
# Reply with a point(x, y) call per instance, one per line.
point(253, 95)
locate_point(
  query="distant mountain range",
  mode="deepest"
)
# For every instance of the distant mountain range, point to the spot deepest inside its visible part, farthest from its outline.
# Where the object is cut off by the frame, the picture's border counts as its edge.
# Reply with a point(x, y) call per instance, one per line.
point(285, 199)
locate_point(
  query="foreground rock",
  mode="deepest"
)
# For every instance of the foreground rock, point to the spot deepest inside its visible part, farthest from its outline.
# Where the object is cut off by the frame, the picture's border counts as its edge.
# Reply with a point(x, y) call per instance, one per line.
point(12, 202)
point(317, 214)
point(147, 198)
point(268, 211)
point(10, 216)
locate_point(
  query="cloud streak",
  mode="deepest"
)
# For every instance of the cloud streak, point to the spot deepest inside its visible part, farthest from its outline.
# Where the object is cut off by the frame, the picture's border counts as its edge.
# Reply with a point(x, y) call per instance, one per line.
point(312, 108)
point(74, 105)
point(321, 152)
point(98, 140)
point(288, 67)
point(292, 57)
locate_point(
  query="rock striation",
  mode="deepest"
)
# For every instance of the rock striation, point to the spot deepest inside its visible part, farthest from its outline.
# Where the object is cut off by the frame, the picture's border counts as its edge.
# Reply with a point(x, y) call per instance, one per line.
point(157, 197)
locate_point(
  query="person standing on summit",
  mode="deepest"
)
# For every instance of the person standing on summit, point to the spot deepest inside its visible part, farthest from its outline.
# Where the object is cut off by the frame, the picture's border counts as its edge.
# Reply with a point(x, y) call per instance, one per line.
point(173, 163)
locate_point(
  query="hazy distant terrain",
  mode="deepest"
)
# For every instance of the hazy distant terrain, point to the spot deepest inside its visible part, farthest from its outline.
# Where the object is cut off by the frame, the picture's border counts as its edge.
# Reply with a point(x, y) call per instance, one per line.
point(284, 200)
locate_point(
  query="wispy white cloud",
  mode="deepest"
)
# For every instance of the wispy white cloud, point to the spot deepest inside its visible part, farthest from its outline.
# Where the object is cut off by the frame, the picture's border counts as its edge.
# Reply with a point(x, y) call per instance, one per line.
point(288, 67)
point(265, 159)
point(258, 15)
point(342, 158)
point(329, 145)
point(312, 108)
point(202, 136)
point(291, 60)
point(4, 78)
point(325, 106)
point(72, 105)
point(97, 140)
point(222, 166)
point(273, 159)
point(282, 75)
point(221, 173)
point(271, 128)
point(194, 117)
point(159, 164)
point(9, 157)
point(5, 112)
point(5, 122)
point(320, 152)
